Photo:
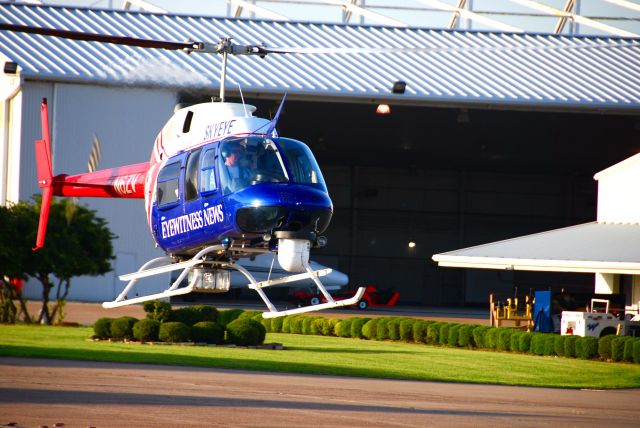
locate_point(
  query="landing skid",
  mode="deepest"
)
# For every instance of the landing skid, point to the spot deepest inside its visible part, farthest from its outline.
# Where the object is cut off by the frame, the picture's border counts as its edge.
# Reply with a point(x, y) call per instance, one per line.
point(150, 269)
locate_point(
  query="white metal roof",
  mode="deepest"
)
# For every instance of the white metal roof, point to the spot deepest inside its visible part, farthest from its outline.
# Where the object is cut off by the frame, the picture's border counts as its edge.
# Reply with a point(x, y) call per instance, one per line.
point(468, 68)
point(589, 247)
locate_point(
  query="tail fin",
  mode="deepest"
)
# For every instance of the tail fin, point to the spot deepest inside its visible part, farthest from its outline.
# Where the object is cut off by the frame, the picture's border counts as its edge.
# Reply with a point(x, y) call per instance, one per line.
point(45, 174)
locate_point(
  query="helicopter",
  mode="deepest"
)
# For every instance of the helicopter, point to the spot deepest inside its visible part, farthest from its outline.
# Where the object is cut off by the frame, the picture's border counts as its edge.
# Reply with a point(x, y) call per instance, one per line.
point(220, 185)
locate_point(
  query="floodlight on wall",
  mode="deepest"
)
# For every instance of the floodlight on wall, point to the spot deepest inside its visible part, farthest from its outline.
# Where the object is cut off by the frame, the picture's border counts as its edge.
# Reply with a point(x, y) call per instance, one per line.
point(399, 87)
point(10, 67)
point(411, 244)
point(383, 109)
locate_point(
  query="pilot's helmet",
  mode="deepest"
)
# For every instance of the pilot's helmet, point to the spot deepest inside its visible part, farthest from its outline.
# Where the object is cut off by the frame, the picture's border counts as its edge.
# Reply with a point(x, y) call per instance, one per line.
point(231, 147)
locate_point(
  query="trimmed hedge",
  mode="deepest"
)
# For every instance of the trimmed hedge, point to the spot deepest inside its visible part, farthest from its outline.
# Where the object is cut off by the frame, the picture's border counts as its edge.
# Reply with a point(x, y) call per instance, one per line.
point(504, 339)
point(356, 327)
point(491, 338)
point(570, 346)
point(225, 317)
point(406, 329)
point(102, 328)
point(537, 343)
point(343, 328)
point(549, 342)
point(381, 329)
point(524, 342)
point(586, 348)
point(329, 326)
point(191, 315)
point(316, 326)
point(558, 345)
point(208, 332)
point(246, 332)
point(454, 335)
point(604, 346)
point(370, 329)
point(146, 330)
point(636, 351)
point(174, 331)
point(628, 349)
point(433, 333)
point(443, 337)
point(393, 328)
point(465, 336)
point(479, 335)
point(276, 324)
point(617, 347)
point(122, 328)
point(419, 331)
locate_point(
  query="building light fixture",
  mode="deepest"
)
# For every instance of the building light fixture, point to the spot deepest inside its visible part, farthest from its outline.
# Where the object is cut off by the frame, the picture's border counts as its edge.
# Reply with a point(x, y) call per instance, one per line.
point(383, 109)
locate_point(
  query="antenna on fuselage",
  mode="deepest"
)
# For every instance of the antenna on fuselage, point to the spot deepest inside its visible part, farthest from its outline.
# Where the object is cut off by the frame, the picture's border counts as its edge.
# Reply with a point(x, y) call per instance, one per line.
point(246, 113)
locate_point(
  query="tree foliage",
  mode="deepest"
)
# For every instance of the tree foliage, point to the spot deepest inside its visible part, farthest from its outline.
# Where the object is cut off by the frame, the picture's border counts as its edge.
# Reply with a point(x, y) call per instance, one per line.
point(76, 244)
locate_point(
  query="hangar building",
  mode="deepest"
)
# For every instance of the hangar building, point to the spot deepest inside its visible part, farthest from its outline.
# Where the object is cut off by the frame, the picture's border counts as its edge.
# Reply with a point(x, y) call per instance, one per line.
point(497, 134)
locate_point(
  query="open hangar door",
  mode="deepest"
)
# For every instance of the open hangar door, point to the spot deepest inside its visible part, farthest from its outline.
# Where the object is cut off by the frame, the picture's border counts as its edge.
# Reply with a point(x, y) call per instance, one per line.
point(446, 178)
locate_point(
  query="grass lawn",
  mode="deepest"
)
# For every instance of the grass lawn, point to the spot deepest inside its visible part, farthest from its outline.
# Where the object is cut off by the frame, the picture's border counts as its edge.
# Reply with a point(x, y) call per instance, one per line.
point(331, 356)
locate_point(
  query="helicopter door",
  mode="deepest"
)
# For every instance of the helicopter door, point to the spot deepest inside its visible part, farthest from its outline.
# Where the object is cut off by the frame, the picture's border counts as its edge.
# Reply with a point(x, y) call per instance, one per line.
point(169, 209)
point(192, 202)
point(212, 209)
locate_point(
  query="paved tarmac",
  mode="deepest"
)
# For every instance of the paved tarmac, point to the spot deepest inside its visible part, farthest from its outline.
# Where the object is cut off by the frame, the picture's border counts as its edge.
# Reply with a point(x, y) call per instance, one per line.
point(36, 393)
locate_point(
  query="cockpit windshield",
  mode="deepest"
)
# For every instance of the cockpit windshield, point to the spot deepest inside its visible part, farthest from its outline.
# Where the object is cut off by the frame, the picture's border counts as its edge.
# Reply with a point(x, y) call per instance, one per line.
point(250, 161)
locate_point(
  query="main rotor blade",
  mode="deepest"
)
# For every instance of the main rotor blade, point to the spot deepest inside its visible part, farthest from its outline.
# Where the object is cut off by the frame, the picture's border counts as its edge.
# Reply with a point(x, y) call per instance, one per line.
point(104, 38)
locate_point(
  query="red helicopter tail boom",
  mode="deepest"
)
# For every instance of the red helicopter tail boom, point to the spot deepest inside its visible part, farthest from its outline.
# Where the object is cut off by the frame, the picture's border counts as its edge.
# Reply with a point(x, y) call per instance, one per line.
point(120, 182)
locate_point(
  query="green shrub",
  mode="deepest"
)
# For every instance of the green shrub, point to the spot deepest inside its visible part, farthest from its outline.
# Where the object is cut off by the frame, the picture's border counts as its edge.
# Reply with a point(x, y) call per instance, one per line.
point(266, 322)
point(208, 313)
point(570, 346)
point(443, 337)
point(549, 341)
point(276, 324)
point(225, 317)
point(454, 335)
point(524, 342)
point(296, 324)
point(174, 331)
point(406, 329)
point(586, 347)
point(146, 330)
point(604, 346)
point(102, 328)
point(537, 343)
point(122, 328)
point(465, 338)
point(393, 328)
point(491, 338)
point(286, 323)
point(356, 327)
point(249, 314)
point(343, 328)
point(419, 331)
point(479, 335)
point(381, 329)
point(245, 332)
point(628, 349)
point(433, 333)
point(306, 324)
point(316, 326)
point(504, 339)
point(370, 329)
point(617, 347)
point(208, 332)
point(514, 341)
point(157, 310)
point(191, 315)
point(329, 326)
point(636, 351)
point(558, 345)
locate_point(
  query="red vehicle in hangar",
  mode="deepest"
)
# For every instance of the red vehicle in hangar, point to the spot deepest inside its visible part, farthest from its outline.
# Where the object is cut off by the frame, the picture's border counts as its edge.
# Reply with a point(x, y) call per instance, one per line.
point(372, 297)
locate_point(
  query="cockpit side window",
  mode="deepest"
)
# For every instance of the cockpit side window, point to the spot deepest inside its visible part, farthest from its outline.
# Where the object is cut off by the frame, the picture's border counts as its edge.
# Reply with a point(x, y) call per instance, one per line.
point(191, 176)
point(168, 181)
point(208, 172)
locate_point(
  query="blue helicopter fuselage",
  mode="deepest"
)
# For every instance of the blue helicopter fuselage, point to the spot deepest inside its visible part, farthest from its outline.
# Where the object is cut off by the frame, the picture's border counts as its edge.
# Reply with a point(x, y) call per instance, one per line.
point(240, 189)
